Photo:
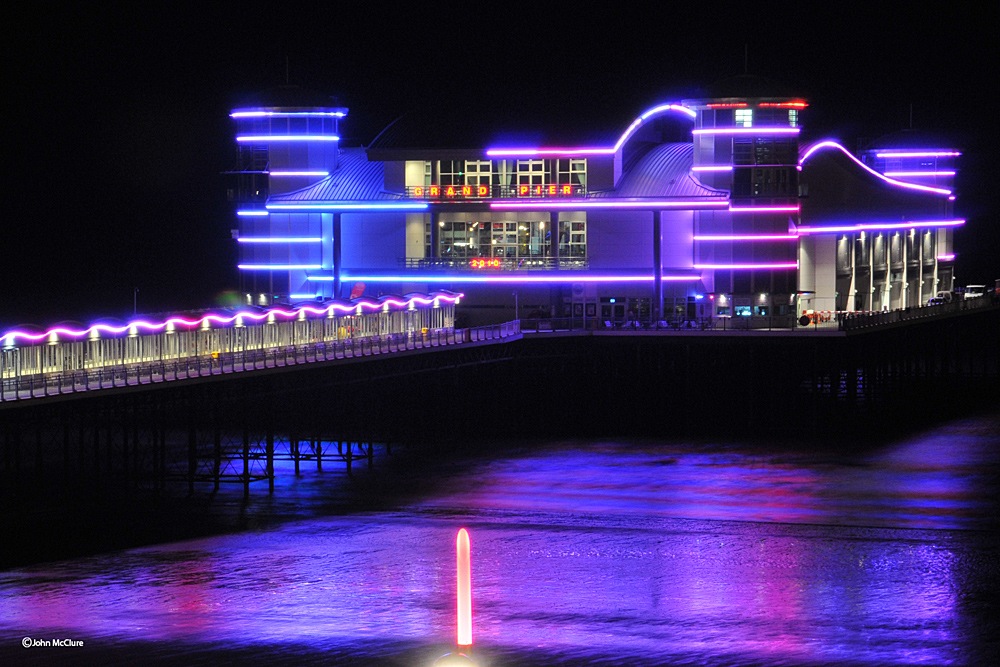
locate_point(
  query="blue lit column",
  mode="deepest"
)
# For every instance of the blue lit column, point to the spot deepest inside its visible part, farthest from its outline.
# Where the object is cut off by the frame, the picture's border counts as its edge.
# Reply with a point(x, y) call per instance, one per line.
point(337, 245)
point(657, 265)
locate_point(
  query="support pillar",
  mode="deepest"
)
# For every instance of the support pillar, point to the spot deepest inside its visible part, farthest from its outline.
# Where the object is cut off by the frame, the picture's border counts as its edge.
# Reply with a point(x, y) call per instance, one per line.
point(657, 310)
point(337, 244)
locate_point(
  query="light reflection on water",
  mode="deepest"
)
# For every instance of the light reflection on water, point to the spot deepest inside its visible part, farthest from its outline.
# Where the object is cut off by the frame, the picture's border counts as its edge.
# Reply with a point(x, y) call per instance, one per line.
point(583, 553)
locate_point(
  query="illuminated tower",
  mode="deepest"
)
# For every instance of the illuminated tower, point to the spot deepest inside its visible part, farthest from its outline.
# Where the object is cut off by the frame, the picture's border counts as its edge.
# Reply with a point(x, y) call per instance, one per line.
point(746, 141)
point(287, 139)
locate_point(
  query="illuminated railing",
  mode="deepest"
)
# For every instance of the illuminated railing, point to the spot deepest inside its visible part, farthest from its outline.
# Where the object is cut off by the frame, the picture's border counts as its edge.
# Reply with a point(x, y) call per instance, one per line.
point(61, 360)
point(486, 192)
point(155, 372)
point(485, 264)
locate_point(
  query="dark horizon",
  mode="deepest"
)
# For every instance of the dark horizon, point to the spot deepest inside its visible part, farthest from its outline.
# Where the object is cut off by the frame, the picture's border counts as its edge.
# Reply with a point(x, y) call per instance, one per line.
point(120, 132)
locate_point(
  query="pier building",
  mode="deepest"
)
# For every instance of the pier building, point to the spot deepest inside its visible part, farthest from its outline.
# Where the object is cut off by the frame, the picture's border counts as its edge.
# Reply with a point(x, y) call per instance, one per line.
point(726, 205)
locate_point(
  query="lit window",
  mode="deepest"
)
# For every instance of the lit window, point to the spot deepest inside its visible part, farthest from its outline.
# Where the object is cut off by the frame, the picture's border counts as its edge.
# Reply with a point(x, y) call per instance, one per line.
point(793, 117)
point(744, 118)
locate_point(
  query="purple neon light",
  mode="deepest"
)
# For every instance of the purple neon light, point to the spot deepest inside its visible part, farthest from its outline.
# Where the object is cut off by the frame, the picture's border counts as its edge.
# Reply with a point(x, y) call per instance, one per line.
point(280, 239)
point(299, 173)
point(10, 338)
point(918, 153)
point(594, 150)
point(276, 267)
point(264, 138)
point(876, 226)
point(746, 237)
point(287, 114)
point(833, 144)
point(772, 265)
point(616, 203)
point(251, 213)
point(792, 208)
point(713, 167)
point(945, 258)
point(920, 173)
point(350, 206)
point(522, 279)
point(748, 130)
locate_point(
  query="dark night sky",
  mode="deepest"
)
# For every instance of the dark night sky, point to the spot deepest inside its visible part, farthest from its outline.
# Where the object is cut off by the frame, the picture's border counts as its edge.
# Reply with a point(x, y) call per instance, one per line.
point(116, 128)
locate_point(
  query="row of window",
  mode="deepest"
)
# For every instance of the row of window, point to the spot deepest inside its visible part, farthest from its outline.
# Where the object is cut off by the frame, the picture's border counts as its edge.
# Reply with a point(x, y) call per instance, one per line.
point(564, 171)
point(879, 250)
point(459, 240)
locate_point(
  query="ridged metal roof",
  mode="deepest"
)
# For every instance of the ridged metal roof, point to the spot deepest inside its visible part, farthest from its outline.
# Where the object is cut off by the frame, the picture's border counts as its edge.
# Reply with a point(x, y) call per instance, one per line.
point(356, 179)
point(662, 171)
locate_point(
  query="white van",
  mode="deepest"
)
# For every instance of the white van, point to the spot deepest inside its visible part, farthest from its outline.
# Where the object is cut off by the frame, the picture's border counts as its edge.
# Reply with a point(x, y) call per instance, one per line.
point(974, 291)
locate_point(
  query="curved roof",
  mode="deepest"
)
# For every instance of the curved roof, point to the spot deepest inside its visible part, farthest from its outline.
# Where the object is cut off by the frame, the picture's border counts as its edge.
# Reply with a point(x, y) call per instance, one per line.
point(662, 171)
point(355, 179)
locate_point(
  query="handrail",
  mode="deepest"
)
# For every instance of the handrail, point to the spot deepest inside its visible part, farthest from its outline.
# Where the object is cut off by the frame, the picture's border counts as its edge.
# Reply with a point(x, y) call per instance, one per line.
point(155, 372)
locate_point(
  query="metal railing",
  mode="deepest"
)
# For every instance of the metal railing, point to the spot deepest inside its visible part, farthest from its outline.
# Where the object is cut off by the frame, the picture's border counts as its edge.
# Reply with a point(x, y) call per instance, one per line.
point(155, 372)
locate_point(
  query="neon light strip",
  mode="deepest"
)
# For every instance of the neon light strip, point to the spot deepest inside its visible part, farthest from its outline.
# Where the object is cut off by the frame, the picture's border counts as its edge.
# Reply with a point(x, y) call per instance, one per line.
point(747, 130)
point(746, 237)
point(945, 258)
point(874, 226)
point(783, 105)
point(764, 209)
point(545, 278)
point(920, 173)
point(11, 337)
point(280, 239)
point(575, 205)
point(287, 114)
point(304, 296)
point(276, 267)
point(714, 167)
point(919, 154)
point(299, 173)
point(402, 206)
point(833, 144)
point(779, 265)
point(264, 138)
point(655, 111)
point(250, 213)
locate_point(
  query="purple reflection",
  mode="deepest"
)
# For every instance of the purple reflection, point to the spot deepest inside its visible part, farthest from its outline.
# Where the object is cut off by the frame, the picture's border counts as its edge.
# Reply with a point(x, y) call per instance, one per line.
point(652, 553)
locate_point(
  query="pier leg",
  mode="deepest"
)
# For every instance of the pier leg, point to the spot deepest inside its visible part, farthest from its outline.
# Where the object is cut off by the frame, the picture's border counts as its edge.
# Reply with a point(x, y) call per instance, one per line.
point(318, 449)
point(246, 463)
point(348, 456)
point(293, 444)
point(217, 461)
point(270, 463)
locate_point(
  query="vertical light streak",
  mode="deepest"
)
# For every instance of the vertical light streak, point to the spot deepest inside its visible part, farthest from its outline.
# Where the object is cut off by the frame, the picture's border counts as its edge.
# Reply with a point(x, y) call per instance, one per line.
point(464, 563)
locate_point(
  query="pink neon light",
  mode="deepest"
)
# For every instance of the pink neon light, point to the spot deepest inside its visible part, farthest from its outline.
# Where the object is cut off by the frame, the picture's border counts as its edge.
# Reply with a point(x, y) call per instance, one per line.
point(594, 150)
point(463, 561)
point(561, 277)
point(748, 130)
point(920, 173)
point(714, 167)
point(10, 337)
point(764, 209)
point(833, 144)
point(779, 265)
point(577, 205)
point(919, 154)
point(945, 258)
point(746, 237)
point(874, 226)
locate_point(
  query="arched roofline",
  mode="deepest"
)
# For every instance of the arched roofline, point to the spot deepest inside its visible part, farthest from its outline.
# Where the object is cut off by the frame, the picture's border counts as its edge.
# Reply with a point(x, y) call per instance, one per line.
point(647, 115)
point(828, 144)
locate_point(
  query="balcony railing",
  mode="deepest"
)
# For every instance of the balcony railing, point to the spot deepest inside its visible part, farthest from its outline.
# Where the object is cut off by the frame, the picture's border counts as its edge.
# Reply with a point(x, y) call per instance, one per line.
point(474, 192)
point(487, 264)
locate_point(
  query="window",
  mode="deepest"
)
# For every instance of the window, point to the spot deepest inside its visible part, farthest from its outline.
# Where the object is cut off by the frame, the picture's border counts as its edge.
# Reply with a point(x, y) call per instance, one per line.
point(793, 117)
point(572, 172)
point(531, 172)
point(477, 172)
point(744, 118)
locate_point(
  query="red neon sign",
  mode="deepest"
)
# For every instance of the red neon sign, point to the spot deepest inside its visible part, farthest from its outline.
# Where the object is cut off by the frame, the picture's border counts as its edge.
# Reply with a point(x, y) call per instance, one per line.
point(451, 191)
point(485, 263)
point(550, 190)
